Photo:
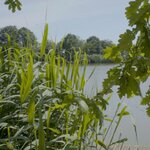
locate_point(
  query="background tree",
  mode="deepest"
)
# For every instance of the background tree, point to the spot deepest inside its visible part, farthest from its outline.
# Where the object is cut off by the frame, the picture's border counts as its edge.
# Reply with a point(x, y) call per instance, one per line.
point(8, 36)
point(93, 45)
point(70, 44)
point(23, 37)
point(105, 44)
point(50, 45)
point(26, 38)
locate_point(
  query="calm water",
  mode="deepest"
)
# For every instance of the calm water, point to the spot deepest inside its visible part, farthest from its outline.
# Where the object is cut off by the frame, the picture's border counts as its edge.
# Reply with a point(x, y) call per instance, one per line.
point(138, 117)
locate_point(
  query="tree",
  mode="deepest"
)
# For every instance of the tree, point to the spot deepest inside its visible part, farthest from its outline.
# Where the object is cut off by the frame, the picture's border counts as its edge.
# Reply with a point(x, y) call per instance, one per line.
point(8, 36)
point(134, 67)
point(13, 5)
point(105, 44)
point(50, 45)
point(70, 43)
point(23, 37)
point(93, 46)
point(26, 37)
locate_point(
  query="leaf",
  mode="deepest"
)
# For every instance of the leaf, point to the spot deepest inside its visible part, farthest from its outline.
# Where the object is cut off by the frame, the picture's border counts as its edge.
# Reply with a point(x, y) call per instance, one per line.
point(125, 41)
point(136, 133)
point(120, 141)
point(48, 117)
point(111, 80)
point(44, 40)
point(84, 107)
point(128, 86)
point(55, 130)
point(145, 101)
point(125, 113)
point(53, 66)
point(112, 53)
point(86, 120)
point(18, 132)
point(31, 111)
point(41, 135)
point(144, 42)
point(82, 84)
point(121, 114)
point(148, 111)
point(26, 81)
point(101, 144)
point(132, 11)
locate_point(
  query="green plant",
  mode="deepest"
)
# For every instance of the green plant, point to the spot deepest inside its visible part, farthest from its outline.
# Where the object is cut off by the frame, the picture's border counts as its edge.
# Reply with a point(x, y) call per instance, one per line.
point(43, 105)
point(133, 55)
point(13, 5)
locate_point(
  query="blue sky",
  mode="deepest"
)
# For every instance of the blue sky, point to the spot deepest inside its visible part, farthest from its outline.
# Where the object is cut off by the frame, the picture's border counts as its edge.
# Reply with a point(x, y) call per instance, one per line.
point(102, 18)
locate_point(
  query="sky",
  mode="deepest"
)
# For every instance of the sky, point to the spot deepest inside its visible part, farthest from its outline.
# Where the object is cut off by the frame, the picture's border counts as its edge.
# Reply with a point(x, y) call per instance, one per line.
point(102, 18)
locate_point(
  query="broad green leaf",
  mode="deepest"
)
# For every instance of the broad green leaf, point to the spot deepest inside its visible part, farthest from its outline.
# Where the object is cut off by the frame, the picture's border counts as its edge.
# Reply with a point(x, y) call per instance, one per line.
point(145, 101)
point(112, 53)
point(125, 41)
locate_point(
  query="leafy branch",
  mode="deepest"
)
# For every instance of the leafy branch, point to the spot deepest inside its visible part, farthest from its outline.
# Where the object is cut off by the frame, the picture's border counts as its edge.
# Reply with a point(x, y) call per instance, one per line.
point(132, 53)
point(13, 5)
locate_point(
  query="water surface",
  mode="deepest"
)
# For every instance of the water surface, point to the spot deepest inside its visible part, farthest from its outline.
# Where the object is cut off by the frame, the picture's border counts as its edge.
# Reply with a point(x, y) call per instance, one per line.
point(138, 114)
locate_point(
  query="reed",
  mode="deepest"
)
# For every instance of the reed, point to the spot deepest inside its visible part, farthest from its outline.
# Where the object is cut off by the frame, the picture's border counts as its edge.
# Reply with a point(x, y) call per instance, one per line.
point(43, 104)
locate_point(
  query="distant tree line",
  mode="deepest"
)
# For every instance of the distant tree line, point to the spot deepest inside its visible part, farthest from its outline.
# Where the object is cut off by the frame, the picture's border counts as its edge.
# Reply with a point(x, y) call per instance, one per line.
point(93, 47)
point(15, 37)
point(66, 47)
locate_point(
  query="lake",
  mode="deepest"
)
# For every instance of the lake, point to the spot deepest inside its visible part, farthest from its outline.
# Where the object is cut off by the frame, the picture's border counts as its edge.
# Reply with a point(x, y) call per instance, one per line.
point(138, 114)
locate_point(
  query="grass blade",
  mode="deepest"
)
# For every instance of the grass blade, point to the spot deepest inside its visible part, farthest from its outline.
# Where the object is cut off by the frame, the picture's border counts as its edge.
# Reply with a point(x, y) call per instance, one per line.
point(44, 40)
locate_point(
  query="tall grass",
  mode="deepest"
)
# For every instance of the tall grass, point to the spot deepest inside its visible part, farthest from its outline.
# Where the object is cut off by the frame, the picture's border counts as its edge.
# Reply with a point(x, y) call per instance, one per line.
point(43, 105)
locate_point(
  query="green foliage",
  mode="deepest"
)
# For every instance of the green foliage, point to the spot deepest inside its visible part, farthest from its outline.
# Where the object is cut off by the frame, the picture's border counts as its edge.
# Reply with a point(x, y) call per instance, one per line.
point(10, 31)
point(132, 53)
point(43, 104)
point(97, 59)
point(94, 45)
point(13, 5)
point(26, 38)
point(70, 43)
point(26, 81)
point(10, 36)
point(44, 40)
